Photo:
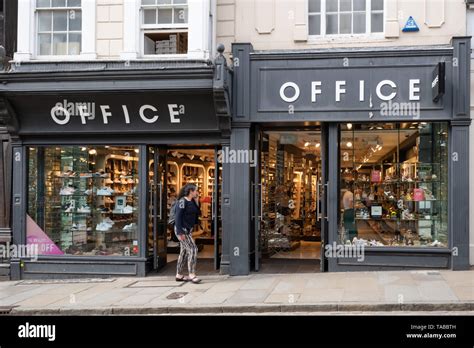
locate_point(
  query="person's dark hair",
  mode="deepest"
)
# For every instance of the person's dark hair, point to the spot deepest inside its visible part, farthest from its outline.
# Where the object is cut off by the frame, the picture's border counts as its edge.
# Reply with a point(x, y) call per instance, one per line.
point(186, 189)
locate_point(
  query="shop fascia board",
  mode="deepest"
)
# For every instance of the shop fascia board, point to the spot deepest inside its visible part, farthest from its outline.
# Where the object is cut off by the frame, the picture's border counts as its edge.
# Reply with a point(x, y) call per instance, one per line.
point(364, 52)
point(96, 77)
point(93, 83)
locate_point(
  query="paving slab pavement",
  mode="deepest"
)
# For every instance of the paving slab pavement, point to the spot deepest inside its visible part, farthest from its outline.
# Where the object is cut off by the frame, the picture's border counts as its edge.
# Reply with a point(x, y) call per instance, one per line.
point(396, 291)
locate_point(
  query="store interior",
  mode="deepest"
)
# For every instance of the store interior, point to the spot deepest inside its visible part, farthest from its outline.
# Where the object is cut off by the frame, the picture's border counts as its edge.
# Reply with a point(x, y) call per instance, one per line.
point(393, 184)
point(197, 166)
point(290, 172)
point(393, 188)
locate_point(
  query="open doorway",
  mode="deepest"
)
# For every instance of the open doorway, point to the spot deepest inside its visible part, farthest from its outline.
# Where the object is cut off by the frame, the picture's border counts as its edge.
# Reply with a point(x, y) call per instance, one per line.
point(178, 166)
point(290, 219)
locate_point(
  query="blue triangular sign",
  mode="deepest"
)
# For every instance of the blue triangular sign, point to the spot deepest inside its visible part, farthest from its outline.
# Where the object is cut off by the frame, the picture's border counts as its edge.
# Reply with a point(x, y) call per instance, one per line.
point(410, 25)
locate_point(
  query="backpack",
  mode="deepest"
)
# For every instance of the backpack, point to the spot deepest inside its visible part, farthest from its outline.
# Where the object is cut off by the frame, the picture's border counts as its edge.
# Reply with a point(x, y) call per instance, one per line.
point(172, 216)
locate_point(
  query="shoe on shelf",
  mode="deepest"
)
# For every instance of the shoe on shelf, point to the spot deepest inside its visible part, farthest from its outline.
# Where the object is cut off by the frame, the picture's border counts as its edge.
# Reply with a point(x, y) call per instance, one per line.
point(84, 209)
point(70, 209)
point(67, 174)
point(103, 226)
point(105, 191)
point(67, 191)
point(130, 227)
point(128, 209)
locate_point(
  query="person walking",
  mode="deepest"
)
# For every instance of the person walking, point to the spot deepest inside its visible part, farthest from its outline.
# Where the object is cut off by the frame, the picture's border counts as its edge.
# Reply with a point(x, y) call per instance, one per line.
point(187, 216)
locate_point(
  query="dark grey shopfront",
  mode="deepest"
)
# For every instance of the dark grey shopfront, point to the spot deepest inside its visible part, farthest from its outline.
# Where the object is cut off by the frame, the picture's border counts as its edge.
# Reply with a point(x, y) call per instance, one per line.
point(314, 93)
point(129, 116)
point(326, 89)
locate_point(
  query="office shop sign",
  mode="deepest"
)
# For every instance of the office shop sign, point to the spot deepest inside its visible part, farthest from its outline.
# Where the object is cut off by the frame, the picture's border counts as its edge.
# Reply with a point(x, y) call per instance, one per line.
point(62, 113)
point(360, 94)
point(108, 114)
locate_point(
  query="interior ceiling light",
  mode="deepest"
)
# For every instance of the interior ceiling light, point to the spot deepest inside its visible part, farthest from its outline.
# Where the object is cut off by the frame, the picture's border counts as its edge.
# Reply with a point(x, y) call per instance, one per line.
point(93, 152)
point(318, 145)
point(306, 144)
point(349, 126)
point(349, 144)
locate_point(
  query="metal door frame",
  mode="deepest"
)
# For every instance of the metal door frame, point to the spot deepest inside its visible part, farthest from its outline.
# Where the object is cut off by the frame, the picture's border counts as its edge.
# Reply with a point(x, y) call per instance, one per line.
point(157, 194)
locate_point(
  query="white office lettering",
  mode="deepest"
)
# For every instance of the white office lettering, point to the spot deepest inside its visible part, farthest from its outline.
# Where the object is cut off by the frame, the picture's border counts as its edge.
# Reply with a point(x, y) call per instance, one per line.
point(142, 113)
point(414, 89)
point(315, 90)
point(105, 113)
point(296, 94)
point(82, 112)
point(125, 114)
point(340, 90)
point(58, 110)
point(378, 90)
point(361, 90)
point(173, 113)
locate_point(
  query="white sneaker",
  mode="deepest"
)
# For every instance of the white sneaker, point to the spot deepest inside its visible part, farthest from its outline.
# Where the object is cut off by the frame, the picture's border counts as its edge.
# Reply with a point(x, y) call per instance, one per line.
point(67, 191)
point(105, 191)
point(103, 227)
point(84, 209)
point(130, 227)
point(128, 209)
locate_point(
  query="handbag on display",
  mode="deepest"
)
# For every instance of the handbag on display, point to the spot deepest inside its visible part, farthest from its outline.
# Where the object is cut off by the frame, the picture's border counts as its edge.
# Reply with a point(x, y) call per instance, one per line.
point(418, 195)
point(375, 176)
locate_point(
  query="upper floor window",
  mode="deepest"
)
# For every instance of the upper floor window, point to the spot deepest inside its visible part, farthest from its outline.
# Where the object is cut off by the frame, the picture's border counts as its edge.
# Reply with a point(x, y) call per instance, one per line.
point(345, 17)
point(59, 27)
point(164, 26)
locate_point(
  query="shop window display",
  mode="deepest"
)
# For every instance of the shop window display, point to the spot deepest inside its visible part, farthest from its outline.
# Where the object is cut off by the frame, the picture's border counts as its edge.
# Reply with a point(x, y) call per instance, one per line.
point(393, 186)
point(83, 200)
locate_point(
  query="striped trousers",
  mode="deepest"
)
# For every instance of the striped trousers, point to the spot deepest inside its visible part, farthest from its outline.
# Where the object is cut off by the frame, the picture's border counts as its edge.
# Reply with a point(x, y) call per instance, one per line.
point(188, 252)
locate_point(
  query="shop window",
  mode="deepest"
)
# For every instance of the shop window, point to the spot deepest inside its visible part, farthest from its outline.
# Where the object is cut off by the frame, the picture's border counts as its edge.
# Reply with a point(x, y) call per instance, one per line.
point(393, 184)
point(83, 200)
point(164, 27)
point(345, 17)
point(58, 27)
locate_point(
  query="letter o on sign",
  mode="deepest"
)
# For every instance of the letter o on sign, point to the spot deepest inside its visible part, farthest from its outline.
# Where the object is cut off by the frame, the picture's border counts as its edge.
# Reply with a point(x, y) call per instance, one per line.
point(296, 94)
point(54, 112)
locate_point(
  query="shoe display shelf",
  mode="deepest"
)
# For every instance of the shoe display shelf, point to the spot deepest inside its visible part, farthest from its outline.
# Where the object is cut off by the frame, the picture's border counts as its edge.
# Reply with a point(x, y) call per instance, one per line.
point(413, 203)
